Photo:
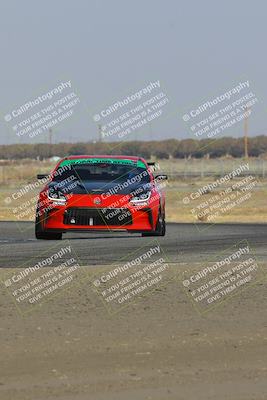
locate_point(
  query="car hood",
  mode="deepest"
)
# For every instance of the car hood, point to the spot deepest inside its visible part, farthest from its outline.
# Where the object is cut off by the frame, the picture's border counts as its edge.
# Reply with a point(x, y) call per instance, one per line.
point(99, 187)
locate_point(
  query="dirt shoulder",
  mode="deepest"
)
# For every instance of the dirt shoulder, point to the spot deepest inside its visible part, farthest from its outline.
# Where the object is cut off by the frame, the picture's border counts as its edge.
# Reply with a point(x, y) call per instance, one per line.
point(158, 347)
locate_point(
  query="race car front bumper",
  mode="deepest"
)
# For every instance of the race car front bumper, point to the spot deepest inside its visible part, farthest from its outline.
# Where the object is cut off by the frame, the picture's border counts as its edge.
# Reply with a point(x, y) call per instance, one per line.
point(102, 219)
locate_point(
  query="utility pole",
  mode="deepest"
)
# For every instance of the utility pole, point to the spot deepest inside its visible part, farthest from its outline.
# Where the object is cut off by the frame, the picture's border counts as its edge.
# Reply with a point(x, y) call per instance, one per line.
point(50, 141)
point(100, 133)
point(246, 133)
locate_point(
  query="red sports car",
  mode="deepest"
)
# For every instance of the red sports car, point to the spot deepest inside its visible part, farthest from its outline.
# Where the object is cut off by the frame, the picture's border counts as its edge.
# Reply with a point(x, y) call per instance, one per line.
point(100, 193)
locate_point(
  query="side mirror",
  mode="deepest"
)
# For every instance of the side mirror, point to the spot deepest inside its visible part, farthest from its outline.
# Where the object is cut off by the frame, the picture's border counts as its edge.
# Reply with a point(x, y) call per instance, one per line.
point(42, 176)
point(160, 177)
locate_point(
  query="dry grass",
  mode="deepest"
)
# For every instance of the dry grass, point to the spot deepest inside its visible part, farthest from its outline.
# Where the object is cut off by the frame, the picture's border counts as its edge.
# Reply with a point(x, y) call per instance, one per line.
point(253, 210)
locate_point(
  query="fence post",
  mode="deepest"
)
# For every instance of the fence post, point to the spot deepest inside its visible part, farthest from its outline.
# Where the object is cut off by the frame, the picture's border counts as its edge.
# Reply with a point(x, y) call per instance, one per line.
point(185, 166)
point(202, 170)
point(3, 173)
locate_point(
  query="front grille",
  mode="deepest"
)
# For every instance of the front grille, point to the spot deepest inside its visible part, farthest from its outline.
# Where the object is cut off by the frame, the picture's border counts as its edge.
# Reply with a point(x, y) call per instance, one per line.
point(98, 216)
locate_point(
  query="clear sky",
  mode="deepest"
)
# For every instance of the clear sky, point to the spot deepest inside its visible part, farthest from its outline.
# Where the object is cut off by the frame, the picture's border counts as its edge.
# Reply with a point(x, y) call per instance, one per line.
point(111, 49)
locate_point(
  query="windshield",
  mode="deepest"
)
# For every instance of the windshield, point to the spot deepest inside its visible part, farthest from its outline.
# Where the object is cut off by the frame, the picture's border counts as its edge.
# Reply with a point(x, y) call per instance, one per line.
point(101, 177)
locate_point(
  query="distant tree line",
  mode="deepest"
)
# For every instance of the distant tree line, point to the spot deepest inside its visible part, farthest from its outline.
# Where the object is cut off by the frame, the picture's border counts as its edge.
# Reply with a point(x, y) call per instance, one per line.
point(186, 148)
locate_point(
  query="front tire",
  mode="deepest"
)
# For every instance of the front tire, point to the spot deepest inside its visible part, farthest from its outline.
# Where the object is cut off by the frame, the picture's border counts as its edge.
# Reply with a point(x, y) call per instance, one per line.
point(48, 235)
point(160, 228)
point(41, 234)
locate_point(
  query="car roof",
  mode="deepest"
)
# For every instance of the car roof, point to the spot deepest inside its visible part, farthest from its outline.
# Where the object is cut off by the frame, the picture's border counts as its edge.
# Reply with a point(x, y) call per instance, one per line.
point(134, 158)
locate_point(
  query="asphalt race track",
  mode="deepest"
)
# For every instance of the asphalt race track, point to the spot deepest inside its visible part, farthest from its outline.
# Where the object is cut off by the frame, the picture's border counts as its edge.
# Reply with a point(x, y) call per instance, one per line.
point(182, 243)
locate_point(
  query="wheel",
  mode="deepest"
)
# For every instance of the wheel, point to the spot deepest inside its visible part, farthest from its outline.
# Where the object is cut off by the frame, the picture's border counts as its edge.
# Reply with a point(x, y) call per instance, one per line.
point(160, 228)
point(41, 234)
point(48, 235)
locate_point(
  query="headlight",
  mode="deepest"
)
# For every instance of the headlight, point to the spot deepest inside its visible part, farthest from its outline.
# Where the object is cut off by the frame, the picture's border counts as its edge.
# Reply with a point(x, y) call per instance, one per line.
point(56, 196)
point(141, 198)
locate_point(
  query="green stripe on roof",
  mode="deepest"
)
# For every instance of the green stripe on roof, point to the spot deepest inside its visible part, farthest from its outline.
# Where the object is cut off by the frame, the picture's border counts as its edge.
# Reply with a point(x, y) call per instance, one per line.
point(118, 161)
